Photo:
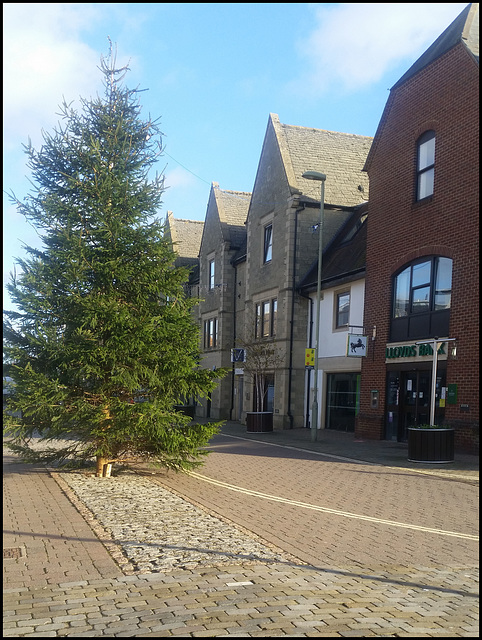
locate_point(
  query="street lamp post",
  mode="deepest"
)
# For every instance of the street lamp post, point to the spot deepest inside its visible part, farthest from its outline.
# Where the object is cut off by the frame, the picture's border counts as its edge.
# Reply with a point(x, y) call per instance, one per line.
point(316, 175)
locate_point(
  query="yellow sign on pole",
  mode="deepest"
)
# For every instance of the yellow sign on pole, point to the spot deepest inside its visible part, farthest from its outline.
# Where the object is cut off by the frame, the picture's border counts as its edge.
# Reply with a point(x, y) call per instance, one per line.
point(309, 358)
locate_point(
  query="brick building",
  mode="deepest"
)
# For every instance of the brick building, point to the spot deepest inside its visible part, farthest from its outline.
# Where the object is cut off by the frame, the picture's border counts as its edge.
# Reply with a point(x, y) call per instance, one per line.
point(422, 264)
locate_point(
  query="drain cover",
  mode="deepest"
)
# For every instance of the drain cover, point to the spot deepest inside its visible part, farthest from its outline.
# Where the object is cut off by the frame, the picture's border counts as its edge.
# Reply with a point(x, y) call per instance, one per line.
point(15, 552)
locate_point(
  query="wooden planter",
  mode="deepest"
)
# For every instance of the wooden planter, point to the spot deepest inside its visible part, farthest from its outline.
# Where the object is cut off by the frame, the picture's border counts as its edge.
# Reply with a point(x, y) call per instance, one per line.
point(186, 409)
point(431, 445)
point(259, 421)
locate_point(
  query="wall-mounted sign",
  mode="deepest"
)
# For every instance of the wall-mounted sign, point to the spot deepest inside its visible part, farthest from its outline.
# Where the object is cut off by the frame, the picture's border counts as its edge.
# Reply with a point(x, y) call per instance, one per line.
point(309, 358)
point(238, 355)
point(356, 346)
point(409, 351)
point(452, 394)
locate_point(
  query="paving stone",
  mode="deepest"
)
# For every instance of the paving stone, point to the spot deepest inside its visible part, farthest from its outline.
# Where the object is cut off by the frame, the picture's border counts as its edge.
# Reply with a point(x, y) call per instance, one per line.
point(192, 557)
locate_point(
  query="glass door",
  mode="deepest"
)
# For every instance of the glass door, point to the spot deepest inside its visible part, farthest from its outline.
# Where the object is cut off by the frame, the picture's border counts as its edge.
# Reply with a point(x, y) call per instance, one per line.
point(415, 392)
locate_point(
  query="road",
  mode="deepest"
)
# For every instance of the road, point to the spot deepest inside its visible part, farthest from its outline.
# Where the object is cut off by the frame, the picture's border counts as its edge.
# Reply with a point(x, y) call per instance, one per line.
point(337, 514)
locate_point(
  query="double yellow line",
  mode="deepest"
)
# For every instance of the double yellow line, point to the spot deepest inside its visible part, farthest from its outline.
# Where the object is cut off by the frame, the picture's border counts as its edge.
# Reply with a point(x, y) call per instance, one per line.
point(335, 512)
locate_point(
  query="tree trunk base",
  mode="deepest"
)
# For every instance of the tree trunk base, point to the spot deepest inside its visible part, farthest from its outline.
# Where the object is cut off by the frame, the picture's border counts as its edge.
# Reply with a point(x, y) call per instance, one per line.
point(103, 468)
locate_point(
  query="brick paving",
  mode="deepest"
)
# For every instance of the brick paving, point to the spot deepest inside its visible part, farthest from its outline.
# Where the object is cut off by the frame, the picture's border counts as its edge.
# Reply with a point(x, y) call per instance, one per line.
point(67, 575)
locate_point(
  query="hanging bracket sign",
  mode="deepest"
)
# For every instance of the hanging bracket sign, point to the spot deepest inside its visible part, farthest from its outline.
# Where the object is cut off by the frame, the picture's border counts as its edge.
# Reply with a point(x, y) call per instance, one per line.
point(356, 345)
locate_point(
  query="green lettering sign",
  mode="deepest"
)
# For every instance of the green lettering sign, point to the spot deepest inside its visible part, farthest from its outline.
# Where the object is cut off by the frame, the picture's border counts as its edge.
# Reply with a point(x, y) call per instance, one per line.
point(410, 351)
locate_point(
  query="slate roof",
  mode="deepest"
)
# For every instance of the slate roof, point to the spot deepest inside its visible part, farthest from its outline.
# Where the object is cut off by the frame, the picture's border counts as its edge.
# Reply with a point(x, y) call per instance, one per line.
point(232, 209)
point(345, 258)
point(340, 156)
point(186, 237)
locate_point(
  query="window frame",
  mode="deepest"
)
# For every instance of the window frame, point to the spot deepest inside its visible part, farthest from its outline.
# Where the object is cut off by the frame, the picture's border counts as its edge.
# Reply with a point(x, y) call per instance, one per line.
point(338, 323)
point(266, 312)
point(425, 166)
point(211, 273)
point(421, 298)
point(210, 333)
point(268, 243)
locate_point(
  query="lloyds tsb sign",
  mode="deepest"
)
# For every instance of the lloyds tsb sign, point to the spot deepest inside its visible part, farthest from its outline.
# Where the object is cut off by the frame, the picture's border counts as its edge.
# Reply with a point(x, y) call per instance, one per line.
point(412, 351)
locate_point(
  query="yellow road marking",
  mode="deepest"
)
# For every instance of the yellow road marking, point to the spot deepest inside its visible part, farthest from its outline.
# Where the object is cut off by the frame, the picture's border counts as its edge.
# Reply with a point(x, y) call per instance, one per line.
point(336, 512)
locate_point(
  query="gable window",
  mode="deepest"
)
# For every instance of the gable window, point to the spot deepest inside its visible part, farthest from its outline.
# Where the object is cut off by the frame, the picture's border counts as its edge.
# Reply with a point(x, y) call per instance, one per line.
point(421, 299)
point(211, 274)
point(425, 164)
point(210, 333)
point(265, 314)
point(342, 309)
point(268, 243)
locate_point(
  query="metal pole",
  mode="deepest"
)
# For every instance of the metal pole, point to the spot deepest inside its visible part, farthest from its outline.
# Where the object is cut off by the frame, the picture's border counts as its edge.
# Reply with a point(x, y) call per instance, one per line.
point(314, 409)
point(434, 342)
point(434, 382)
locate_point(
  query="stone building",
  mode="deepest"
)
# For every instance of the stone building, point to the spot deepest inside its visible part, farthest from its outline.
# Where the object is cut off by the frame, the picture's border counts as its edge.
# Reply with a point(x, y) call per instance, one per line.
point(254, 251)
point(185, 236)
point(224, 234)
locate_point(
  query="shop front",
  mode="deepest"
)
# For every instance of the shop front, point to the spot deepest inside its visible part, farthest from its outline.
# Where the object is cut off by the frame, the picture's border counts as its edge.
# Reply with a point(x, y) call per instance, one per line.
point(409, 387)
point(342, 400)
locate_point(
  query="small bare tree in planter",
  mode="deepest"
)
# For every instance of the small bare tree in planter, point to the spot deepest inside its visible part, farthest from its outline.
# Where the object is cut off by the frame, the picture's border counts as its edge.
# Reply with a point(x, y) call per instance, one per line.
point(262, 360)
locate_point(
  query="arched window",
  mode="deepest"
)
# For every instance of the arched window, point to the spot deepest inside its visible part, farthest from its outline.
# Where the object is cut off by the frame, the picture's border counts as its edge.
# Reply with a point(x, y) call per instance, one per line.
point(421, 299)
point(425, 165)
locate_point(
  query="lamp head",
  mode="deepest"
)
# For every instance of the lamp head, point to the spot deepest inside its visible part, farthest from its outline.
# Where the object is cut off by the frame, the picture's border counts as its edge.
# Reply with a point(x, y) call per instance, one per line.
point(314, 175)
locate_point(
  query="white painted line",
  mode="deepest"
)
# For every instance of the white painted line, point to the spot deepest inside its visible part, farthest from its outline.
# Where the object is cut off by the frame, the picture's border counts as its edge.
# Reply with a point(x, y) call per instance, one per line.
point(238, 584)
point(426, 472)
point(336, 512)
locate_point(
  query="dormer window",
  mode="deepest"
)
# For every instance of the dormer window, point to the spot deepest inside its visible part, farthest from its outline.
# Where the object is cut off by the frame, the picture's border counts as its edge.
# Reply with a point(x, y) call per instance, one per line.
point(425, 165)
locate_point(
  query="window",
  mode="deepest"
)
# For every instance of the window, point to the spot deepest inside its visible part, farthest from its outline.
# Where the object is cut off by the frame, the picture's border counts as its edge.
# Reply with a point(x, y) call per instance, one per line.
point(422, 298)
point(211, 274)
point(265, 322)
point(342, 309)
point(210, 333)
point(274, 314)
point(425, 164)
point(342, 400)
point(268, 243)
point(266, 319)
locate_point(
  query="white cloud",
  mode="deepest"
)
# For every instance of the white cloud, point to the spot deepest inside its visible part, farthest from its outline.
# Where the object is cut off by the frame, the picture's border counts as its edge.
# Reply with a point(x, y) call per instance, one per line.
point(179, 177)
point(352, 45)
point(44, 60)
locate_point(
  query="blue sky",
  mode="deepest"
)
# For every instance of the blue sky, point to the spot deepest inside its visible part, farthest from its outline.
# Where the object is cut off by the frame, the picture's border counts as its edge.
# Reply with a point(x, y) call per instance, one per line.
point(213, 72)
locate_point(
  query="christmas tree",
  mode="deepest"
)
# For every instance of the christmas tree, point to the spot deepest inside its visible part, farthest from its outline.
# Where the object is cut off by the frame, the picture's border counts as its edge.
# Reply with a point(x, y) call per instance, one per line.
point(103, 345)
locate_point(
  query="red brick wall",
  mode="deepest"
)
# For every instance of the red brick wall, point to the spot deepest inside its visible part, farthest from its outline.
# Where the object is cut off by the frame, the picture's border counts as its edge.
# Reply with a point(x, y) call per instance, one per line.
point(443, 97)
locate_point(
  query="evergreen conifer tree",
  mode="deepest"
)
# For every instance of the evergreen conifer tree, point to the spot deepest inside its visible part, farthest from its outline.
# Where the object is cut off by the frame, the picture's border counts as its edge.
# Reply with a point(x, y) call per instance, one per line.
point(103, 320)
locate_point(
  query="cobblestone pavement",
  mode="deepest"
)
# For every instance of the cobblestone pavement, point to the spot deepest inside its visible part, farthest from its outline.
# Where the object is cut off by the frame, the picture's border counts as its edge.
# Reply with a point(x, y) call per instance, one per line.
point(128, 556)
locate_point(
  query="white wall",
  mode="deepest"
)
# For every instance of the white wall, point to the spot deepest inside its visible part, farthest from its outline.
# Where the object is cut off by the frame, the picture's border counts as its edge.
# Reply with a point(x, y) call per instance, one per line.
point(332, 341)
